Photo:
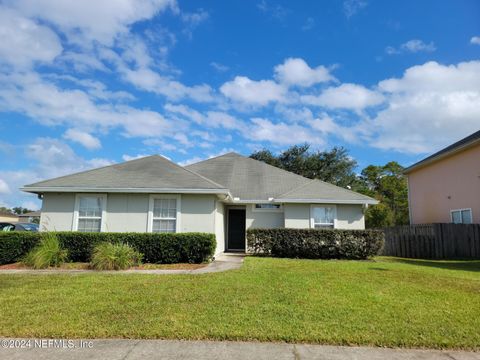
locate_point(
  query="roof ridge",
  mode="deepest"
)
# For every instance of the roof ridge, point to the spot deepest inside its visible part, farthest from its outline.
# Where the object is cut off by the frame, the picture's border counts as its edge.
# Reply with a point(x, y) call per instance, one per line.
point(215, 157)
point(201, 176)
point(94, 169)
point(297, 188)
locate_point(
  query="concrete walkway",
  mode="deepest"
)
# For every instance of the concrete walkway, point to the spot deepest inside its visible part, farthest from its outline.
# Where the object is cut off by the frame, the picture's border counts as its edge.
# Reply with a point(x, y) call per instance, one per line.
point(223, 262)
point(210, 350)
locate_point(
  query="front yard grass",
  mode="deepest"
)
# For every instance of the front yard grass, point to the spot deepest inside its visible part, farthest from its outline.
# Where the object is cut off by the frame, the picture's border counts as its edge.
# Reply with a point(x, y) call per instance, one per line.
point(386, 302)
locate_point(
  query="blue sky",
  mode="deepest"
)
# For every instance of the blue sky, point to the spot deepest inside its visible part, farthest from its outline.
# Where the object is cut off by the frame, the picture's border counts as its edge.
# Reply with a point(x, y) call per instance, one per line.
point(87, 83)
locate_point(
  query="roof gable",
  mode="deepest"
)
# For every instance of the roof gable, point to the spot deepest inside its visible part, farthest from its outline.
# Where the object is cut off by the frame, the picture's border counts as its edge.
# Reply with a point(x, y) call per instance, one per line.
point(152, 172)
point(322, 191)
point(250, 179)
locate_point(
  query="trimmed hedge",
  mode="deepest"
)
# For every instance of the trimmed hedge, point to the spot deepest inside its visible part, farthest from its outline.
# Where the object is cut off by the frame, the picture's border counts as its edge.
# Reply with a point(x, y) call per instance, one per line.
point(160, 248)
point(315, 243)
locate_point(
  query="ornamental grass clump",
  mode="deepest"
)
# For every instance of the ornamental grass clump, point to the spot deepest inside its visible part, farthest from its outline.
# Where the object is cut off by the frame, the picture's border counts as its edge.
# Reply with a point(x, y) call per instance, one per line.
point(47, 253)
point(108, 256)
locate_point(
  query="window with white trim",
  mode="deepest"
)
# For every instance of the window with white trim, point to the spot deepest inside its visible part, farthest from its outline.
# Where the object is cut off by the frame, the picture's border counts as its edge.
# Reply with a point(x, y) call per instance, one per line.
point(461, 216)
point(90, 210)
point(323, 217)
point(164, 215)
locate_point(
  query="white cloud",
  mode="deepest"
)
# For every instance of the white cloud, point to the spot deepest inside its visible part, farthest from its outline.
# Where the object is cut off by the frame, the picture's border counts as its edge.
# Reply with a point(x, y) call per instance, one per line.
point(92, 20)
point(50, 158)
point(149, 80)
point(127, 157)
point(83, 138)
point(282, 133)
point(345, 96)
point(4, 188)
point(475, 40)
point(351, 7)
point(295, 71)
point(250, 92)
point(276, 11)
point(430, 106)
point(189, 161)
point(411, 46)
point(219, 67)
point(192, 20)
point(211, 119)
point(31, 205)
point(55, 158)
point(24, 41)
point(43, 101)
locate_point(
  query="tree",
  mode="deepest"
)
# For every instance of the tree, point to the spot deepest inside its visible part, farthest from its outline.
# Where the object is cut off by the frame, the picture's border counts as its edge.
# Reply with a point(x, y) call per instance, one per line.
point(4, 209)
point(20, 210)
point(390, 187)
point(378, 216)
point(334, 166)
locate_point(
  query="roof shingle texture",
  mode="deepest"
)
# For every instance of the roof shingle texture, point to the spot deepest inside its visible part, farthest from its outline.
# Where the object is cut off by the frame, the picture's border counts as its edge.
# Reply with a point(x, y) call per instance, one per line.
point(148, 172)
point(250, 179)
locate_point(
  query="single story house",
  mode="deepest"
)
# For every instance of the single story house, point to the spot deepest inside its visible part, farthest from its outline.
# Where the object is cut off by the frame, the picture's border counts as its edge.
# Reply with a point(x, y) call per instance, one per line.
point(29, 217)
point(445, 187)
point(224, 195)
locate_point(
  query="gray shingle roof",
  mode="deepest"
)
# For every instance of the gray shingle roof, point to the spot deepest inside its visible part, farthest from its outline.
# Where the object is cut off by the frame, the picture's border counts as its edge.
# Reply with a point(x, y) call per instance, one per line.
point(247, 178)
point(250, 179)
point(320, 190)
point(461, 144)
point(243, 177)
point(152, 172)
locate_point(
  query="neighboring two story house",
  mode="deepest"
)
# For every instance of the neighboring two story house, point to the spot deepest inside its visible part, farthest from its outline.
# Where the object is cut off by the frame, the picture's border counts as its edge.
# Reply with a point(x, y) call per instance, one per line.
point(445, 187)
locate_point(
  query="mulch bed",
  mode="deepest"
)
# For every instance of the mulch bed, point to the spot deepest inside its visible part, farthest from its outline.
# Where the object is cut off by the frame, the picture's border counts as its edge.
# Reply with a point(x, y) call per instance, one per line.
point(86, 266)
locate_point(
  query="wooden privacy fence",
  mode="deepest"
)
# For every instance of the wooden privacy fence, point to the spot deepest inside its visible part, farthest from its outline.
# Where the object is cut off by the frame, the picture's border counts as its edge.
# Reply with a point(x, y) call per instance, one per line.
point(433, 241)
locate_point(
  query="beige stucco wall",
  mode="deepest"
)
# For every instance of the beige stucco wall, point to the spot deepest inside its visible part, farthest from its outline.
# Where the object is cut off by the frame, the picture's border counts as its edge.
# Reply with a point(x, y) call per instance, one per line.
point(198, 213)
point(350, 217)
point(220, 226)
point(263, 219)
point(297, 216)
point(57, 212)
point(129, 212)
point(448, 184)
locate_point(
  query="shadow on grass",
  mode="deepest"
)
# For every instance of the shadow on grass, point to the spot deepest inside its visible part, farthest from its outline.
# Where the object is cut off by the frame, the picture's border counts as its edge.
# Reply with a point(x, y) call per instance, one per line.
point(466, 265)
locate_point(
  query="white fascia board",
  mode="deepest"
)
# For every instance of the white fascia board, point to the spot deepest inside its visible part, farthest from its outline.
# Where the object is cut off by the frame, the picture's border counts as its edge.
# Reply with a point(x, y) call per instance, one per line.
point(327, 201)
point(263, 201)
point(45, 189)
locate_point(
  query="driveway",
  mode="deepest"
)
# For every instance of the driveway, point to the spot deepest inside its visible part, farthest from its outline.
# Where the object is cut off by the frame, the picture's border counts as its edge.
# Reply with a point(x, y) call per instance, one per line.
point(212, 350)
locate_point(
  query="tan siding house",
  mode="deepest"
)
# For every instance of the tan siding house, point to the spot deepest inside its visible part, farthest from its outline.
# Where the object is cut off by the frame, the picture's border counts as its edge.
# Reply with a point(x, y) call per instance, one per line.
point(445, 187)
point(8, 217)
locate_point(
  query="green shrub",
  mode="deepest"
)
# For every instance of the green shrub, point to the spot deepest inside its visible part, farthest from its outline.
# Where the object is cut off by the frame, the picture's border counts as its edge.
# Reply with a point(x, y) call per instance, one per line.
point(108, 256)
point(160, 248)
point(47, 253)
point(315, 243)
point(14, 245)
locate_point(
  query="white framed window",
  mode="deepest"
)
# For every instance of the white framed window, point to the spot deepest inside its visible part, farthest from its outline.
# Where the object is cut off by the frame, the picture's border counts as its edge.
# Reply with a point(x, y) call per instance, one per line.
point(323, 216)
point(90, 212)
point(461, 216)
point(164, 213)
point(267, 207)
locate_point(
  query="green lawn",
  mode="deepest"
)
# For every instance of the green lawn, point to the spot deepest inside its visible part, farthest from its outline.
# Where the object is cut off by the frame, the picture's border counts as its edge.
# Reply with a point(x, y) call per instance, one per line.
point(386, 302)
